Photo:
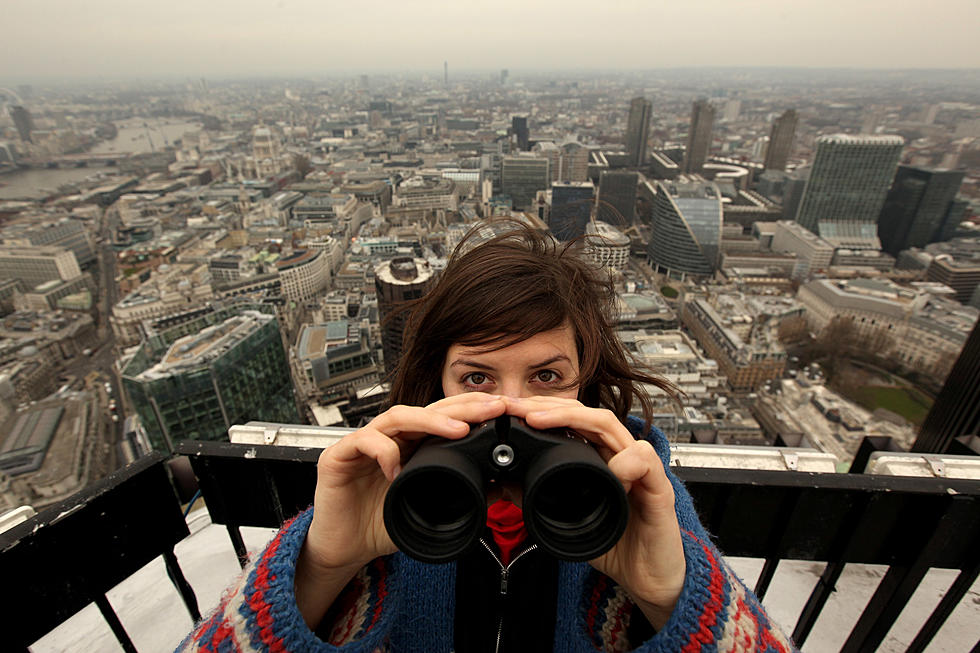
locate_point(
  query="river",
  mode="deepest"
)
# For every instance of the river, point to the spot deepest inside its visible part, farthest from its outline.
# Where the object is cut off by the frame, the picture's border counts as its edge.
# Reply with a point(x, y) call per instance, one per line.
point(133, 137)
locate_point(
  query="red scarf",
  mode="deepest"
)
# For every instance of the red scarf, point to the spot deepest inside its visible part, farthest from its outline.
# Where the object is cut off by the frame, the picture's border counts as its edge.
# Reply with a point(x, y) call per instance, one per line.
point(507, 523)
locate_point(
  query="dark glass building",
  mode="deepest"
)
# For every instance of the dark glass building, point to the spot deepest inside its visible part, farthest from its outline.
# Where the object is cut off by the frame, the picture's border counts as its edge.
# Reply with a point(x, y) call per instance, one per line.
point(781, 140)
point(919, 205)
point(637, 130)
point(616, 203)
point(571, 209)
point(195, 380)
point(956, 412)
point(699, 136)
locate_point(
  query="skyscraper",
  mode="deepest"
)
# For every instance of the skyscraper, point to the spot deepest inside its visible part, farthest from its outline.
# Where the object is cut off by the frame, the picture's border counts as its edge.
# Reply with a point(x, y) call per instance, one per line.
point(781, 140)
point(956, 411)
point(637, 130)
point(522, 176)
point(518, 127)
point(686, 224)
point(617, 197)
point(22, 121)
point(917, 208)
point(398, 281)
point(847, 186)
point(571, 209)
point(195, 380)
point(699, 136)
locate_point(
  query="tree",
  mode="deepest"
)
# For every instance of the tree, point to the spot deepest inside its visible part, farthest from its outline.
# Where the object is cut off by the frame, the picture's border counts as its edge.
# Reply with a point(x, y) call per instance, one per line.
point(302, 165)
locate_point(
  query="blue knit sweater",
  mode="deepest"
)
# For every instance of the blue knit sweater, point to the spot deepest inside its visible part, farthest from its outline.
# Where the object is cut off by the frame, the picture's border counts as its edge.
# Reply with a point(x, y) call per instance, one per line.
point(399, 604)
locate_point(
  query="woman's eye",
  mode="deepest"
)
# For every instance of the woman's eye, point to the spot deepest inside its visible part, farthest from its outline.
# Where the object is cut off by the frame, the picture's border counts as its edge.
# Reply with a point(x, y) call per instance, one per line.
point(476, 378)
point(547, 376)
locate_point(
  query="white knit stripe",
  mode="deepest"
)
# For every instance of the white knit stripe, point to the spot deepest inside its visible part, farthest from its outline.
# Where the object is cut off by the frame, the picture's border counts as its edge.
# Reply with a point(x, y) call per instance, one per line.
point(235, 618)
point(614, 612)
point(740, 631)
point(356, 617)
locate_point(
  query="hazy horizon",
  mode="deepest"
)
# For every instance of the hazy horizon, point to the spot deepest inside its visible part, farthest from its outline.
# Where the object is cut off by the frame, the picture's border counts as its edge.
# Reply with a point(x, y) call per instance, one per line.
point(100, 39)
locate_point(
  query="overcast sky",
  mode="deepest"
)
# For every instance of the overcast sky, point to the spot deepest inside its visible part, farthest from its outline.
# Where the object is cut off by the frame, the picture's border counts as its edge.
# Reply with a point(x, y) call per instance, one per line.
point(125, 38)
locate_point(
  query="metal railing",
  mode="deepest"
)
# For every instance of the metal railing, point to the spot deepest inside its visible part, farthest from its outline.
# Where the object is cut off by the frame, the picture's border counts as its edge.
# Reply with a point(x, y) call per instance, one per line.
point(70, 555)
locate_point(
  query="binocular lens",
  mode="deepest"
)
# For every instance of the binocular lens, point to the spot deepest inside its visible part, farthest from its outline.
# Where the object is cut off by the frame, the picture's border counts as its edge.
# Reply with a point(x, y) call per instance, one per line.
point(577, 514)
point(437, 503)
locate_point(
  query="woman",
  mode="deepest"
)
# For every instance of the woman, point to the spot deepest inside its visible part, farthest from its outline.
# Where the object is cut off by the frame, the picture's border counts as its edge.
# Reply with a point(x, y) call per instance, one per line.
point(519, 326)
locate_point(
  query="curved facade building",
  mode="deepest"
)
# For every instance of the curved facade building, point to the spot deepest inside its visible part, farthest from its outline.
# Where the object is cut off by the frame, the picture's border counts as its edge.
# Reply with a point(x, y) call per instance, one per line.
point(686, 224)
point(607, 245)
point(304, 274)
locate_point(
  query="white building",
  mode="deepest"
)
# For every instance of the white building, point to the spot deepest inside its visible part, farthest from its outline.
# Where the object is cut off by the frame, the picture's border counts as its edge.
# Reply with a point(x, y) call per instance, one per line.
point(304, 274)
point(912, 325)
point(607, 245)
point(813, 252)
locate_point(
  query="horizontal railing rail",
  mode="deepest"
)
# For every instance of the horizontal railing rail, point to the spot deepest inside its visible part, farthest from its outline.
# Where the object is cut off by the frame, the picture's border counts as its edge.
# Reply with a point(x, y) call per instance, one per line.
point(910, 525)
point(70, 555)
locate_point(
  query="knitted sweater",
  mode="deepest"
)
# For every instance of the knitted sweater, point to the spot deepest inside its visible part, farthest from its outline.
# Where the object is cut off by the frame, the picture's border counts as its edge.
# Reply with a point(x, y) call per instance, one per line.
point(398, 604)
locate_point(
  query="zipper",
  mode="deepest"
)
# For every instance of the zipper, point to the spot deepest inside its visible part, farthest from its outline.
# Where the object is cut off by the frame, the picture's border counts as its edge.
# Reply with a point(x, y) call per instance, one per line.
point(504, 580)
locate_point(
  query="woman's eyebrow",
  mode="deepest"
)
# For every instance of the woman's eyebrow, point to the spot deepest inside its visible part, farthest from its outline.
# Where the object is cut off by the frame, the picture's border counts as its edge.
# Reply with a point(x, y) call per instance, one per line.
point(551, 361)
point(463, 362)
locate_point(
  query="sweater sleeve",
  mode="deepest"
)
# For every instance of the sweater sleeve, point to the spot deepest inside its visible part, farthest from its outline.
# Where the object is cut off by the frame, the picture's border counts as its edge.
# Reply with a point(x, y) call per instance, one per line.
point(259, 613)
point(715, 610)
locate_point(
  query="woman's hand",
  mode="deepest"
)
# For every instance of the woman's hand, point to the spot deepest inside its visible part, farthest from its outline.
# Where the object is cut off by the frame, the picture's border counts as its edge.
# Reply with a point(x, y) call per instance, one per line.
point(649, 559)
point(353, 477)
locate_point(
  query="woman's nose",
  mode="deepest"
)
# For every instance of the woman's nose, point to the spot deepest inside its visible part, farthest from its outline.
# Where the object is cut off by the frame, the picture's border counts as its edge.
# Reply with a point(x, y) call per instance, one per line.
point(514, 389)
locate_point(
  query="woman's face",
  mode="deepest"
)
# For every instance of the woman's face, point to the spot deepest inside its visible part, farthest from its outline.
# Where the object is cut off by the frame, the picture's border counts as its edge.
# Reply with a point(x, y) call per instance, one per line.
point(536, 366)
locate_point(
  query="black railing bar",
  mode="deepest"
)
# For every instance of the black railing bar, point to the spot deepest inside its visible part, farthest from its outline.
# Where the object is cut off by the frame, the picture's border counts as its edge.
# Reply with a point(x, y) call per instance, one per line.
point(238, 543)
point(117, 628)
point(274, 494)
point(845, 539)
point(808, 480)
point(765, 577)
point(900, 583)
point(826, 585)
point(964, 581)
point(176, 575)
point(784, 515)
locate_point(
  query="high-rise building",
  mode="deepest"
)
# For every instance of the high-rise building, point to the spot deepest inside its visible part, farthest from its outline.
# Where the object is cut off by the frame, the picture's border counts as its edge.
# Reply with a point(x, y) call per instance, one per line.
point(36, 265)
point(66, 233)
point(918, 206)
point(846, 189)
point(637, 130)
point(616, 203)
point(571, 209)
point(519, 128)
point(398, 281)
point(522, 176)
point(781, 140)
point(194, 381)
point(699, 136)
point(22, 121)
point(956, 264)
point(686, 225)
point(956, 411)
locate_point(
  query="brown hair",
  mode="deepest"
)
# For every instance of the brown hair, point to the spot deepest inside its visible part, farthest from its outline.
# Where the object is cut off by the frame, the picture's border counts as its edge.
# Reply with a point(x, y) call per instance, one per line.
point(506, 289)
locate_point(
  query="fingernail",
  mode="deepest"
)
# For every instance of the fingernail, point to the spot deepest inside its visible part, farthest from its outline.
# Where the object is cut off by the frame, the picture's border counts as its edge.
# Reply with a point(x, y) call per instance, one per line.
point(396, 472)
point(538, 413)
point(455, 423)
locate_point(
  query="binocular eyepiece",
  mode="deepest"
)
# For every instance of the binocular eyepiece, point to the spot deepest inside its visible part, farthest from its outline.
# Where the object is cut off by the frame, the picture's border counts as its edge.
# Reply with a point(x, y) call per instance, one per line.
point(574, 507)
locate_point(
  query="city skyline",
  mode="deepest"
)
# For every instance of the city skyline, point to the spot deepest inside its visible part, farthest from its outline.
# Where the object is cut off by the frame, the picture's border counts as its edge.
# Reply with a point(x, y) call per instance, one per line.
point(105, 39)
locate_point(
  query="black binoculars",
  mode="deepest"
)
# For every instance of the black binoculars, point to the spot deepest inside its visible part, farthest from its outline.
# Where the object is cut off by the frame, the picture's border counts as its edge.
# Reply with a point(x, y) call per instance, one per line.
point(574, 507)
